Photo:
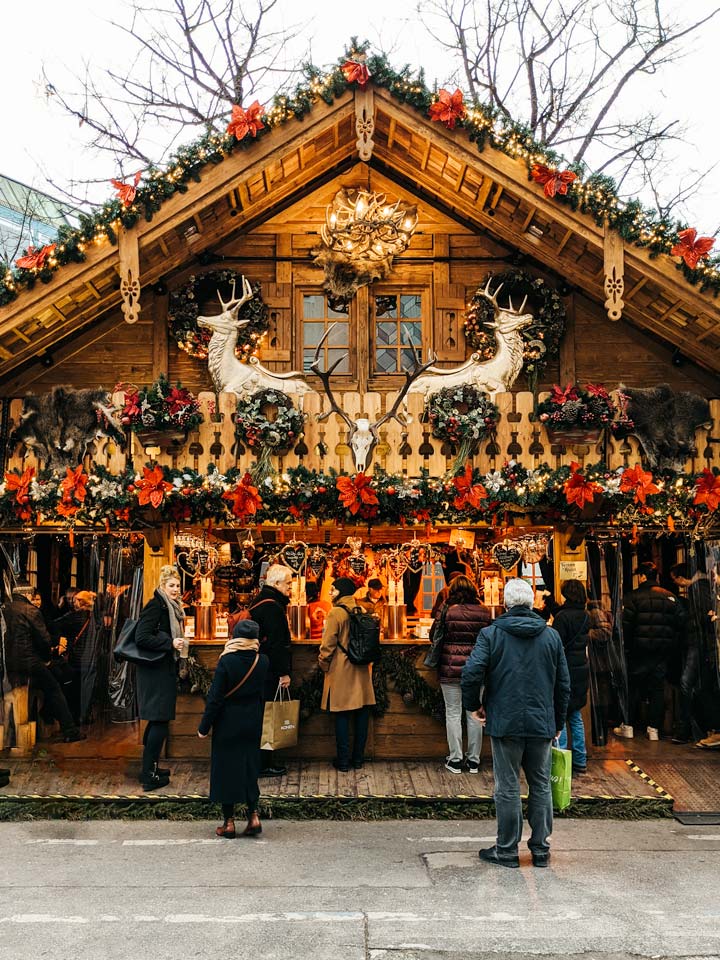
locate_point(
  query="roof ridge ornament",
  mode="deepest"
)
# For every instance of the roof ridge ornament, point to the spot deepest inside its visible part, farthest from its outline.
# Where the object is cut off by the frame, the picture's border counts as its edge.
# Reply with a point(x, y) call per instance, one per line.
point(364, 122)
point(614, 267)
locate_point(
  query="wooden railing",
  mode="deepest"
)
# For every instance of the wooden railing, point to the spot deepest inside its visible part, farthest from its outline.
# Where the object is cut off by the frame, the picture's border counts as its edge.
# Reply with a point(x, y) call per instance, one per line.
point(406, 451)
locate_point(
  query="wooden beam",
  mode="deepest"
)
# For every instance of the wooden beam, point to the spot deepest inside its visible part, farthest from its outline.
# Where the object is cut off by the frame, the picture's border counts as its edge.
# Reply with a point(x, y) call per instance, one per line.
point(528, 219)
point(563, 243)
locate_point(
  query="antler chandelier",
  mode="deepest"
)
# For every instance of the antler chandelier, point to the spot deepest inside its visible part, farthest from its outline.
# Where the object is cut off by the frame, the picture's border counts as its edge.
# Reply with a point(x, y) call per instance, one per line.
point(362, 234)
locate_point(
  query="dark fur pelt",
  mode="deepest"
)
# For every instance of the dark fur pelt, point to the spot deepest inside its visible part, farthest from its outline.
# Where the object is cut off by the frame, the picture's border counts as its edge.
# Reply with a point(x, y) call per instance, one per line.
point(665, 423)
point(58, 426)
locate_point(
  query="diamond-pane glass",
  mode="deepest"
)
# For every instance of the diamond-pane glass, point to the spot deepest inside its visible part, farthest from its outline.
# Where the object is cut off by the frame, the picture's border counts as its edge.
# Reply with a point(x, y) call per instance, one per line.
point(386, 333)
point(386, 361)
point(410, 306)
point(386, 306)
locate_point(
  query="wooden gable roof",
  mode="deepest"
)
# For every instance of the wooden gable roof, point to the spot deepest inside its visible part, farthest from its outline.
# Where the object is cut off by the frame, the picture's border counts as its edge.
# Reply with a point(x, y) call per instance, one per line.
point(487, 191)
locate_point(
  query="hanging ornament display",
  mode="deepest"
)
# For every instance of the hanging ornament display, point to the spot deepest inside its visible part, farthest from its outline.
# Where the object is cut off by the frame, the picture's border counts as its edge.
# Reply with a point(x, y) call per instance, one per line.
point(507, 554)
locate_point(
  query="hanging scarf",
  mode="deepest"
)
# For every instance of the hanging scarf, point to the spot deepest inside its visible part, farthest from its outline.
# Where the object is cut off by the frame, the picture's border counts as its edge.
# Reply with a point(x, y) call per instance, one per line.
point(175, 612)
point(236, 644)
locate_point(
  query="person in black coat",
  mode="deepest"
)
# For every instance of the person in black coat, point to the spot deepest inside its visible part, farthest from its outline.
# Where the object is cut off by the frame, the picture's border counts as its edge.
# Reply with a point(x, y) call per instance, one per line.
point(27, 658)
point(572, 622)
point(160, 627)
point(653, 621)
point(234, 711)
point(269, 611)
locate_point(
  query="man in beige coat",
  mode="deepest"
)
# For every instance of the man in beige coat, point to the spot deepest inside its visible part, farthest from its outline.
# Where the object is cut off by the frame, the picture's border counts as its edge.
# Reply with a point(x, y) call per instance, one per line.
point(348, 689)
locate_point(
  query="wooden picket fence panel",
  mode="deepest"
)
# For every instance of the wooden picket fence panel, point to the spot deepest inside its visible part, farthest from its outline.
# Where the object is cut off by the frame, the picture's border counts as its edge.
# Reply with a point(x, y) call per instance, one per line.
point(406, 450)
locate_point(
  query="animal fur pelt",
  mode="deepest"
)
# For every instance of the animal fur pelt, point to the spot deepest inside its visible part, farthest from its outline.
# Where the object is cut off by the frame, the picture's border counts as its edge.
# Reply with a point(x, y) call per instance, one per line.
point(665, 423)
point(58, 426)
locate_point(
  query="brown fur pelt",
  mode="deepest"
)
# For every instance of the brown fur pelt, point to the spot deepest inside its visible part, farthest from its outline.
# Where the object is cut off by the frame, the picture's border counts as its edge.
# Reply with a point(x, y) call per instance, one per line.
point(665, 423)
point(58, 426)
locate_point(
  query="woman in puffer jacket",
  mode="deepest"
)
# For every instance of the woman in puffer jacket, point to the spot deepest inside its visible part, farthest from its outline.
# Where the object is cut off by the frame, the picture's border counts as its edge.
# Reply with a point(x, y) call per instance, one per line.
point(464, 617)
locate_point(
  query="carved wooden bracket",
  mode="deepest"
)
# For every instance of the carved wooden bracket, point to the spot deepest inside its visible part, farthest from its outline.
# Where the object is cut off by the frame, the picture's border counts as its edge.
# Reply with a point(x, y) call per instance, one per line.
point(364, 122)
point(129, 274)
point(614, 249)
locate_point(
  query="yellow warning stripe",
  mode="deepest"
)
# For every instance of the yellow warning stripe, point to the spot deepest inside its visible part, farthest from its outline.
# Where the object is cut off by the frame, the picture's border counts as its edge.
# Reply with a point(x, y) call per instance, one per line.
point(649, 780)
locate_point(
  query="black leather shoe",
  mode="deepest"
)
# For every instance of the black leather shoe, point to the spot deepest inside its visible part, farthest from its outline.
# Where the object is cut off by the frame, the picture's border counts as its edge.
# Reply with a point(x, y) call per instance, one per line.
point(154, 782)
point(273, 772)
point(541, 859)
point(490, 855)
point(4, 781)
point(358, 764)
point(74, 737)
point(342, 767)
point(4, 772)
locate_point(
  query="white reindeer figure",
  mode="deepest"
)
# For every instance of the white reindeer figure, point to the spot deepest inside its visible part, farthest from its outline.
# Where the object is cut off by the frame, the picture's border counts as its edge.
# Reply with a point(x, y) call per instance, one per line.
point(490, 376)
point(229, 374)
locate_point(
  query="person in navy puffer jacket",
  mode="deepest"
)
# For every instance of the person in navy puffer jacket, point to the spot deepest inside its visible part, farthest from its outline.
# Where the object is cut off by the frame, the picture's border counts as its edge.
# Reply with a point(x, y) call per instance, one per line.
point(464, 617)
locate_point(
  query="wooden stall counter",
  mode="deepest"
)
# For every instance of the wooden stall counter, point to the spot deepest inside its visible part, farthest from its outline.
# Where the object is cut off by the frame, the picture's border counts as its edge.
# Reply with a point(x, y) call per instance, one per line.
point(404, 731)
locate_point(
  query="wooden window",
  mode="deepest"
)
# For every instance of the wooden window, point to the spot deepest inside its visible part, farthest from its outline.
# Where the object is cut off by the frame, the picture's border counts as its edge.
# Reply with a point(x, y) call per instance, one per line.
point(317, 316)
point(398, 320)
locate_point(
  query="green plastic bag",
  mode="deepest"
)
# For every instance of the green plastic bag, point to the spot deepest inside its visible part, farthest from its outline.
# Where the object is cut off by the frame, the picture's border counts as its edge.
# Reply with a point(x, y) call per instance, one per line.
point(561, 777)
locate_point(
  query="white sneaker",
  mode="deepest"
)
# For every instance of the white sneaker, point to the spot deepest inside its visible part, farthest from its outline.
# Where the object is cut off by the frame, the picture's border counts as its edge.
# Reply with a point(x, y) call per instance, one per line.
point(624, 730)
point(653, 733)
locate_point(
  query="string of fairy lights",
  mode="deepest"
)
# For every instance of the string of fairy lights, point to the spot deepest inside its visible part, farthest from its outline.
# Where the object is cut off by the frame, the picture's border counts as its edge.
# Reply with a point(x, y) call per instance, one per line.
point(593, 194)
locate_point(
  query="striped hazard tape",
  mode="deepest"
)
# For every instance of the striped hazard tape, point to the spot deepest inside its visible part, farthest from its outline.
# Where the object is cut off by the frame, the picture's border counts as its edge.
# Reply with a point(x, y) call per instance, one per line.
point(649, 780)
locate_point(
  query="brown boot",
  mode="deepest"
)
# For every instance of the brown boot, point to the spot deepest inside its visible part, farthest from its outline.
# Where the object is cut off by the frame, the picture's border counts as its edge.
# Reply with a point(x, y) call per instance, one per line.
point(227, 830)
point(254, 827)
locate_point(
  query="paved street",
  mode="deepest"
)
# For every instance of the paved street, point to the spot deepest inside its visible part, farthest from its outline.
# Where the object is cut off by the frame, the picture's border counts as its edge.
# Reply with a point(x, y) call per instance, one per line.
point(353, 891)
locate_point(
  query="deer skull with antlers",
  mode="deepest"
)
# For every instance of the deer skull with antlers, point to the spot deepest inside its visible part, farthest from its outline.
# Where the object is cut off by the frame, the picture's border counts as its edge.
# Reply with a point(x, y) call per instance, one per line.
point(363, 434)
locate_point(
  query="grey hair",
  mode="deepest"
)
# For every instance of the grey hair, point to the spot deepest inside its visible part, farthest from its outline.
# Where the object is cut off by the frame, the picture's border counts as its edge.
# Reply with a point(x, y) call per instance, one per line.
point(276, 574)
point(24, 589)
point(518, 593)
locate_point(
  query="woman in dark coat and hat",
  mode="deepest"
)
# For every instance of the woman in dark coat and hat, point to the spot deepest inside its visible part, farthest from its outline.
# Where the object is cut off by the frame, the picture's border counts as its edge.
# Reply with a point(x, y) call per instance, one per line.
point(160, 627)
point(234, 711)
point(572, 622)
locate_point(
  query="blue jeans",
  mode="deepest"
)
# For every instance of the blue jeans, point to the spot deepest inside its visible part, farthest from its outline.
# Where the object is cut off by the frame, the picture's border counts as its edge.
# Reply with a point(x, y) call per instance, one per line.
point(342, 735)
point(577, 732)
point(533, 755)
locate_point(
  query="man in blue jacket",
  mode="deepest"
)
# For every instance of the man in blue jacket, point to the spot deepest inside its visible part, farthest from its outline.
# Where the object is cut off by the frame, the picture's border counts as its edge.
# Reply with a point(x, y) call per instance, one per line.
point(520, 662)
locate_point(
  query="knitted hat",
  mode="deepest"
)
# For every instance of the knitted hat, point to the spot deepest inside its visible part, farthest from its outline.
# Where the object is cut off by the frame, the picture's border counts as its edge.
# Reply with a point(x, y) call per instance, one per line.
point(246, 629)
point(344, 586)
point(375, 584)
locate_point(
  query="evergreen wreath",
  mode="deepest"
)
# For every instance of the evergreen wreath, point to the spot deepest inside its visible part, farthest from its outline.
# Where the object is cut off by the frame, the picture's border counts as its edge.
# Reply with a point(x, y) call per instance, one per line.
point(542, 337)
point(461, 416)
point(184, 309)
point(268, 436)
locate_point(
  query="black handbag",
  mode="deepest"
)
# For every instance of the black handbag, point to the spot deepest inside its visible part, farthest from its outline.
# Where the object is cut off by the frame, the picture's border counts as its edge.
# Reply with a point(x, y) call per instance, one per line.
point(437, 636)
point(127, 649)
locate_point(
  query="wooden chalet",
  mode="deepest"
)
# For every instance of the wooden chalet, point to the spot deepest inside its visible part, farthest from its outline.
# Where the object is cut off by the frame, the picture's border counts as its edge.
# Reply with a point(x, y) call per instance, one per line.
point(632, 317)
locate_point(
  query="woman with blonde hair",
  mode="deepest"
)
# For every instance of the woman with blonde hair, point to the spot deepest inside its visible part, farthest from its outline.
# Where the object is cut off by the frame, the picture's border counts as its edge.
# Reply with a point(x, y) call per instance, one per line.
point(160, 627)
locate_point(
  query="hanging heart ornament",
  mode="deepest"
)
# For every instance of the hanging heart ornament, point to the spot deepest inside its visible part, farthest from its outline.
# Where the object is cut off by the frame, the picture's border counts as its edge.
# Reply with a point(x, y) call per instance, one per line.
point(397, 565)
point(534, 549)
point(507, 554)
point(317, 562)
point(294, 555)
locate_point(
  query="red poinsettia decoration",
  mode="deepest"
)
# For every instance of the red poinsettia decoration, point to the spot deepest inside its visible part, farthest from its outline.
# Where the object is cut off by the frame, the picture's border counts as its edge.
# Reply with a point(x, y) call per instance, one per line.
point(177, 399)
point(357, 494)
point(127, 191)
point(692, 248)
point(578, 489)
point(356, 71)
point(448, 108)
point(561, 396)
point(152, 487)
point(19, 484)
point(553, 181)
point(247, 121)
point(707, 490)
point(131, 410)
point(245, 498)
point(469, 495)
point(74, 490)
point(597, 390)
point(640, 482)
point(35, 259)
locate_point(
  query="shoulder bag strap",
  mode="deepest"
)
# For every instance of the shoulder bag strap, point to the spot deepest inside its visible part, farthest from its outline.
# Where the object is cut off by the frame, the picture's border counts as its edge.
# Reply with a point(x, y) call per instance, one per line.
point(238, 685)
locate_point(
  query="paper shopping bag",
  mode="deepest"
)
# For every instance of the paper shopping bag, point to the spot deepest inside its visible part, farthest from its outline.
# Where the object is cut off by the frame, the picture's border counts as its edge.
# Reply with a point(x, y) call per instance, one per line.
point(280, 722)
point(561, 777)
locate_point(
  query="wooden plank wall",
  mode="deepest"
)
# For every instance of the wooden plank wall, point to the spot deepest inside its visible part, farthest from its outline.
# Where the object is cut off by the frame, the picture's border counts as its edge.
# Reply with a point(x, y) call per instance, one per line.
point(517, 437)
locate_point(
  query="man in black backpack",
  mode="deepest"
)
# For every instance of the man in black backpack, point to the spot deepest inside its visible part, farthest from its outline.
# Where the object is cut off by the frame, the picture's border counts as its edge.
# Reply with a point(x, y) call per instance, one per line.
point(269, 611)
point(348, 688)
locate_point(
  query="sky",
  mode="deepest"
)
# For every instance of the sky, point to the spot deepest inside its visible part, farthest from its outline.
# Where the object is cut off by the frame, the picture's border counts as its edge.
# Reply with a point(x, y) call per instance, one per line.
point(40, 145)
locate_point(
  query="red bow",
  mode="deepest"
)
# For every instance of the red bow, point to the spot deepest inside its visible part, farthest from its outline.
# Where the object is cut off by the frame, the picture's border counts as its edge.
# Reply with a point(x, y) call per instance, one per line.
point(153, 487)
point(640, 481)
point(245, 498)
point(469, 495)
point(357, 495)
point(356, 71)
point(561, 397)
point(707, 490)
point(578, 489)
point(19, 484)
point(126, 191)
point(553, 181)
point(35, 259)
point(247, 121)
point(692, 250)
point(448, 109)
